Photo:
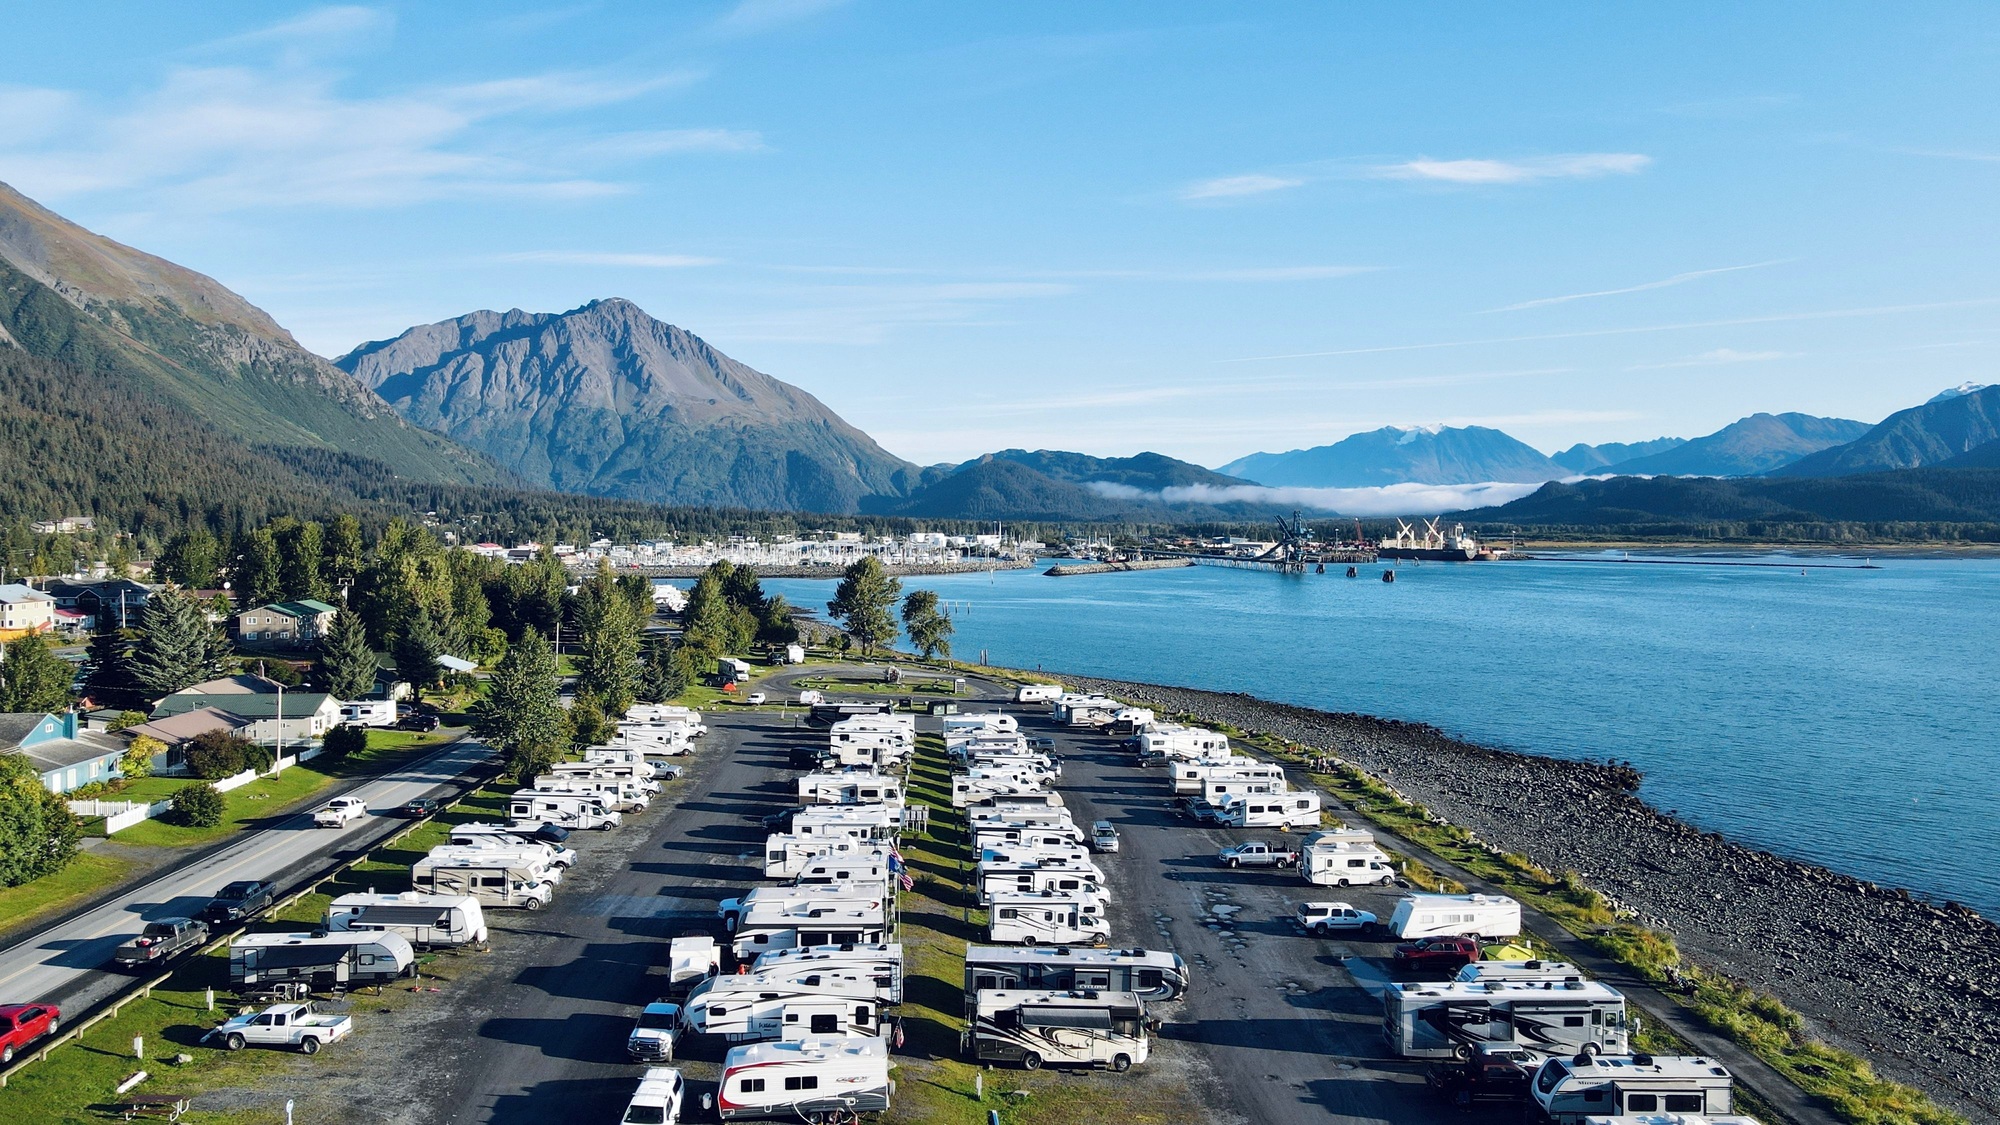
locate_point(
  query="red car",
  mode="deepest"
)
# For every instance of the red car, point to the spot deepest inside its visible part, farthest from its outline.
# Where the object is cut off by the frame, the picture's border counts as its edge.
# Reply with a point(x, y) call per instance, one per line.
point(22, 1024)
point(1446, 953)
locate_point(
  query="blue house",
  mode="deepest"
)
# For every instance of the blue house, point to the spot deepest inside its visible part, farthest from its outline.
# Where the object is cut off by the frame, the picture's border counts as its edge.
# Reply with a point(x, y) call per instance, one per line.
point(65, 756)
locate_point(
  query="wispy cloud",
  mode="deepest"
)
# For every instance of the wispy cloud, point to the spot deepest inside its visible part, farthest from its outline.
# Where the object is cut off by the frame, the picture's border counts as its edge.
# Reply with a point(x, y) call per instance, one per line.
point(753, 17)
point(1382, 500)
point(1717, 358)
point(611, 258)
point(1663, 283)
point(1585, 165)
point(1237, 187)
point(669, 142)
point(312, 28)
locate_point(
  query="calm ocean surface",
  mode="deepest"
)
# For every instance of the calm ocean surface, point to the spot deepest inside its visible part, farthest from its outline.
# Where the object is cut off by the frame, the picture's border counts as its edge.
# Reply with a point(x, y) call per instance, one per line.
point(1846, 717)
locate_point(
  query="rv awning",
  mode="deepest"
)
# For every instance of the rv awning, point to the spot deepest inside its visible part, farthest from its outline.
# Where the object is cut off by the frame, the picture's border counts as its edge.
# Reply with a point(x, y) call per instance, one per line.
point(401, 916)
point(1094, 1018)
point(301, 956)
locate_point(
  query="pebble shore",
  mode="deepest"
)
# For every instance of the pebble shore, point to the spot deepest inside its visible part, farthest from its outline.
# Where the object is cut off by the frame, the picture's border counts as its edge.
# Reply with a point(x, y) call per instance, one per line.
point(1911, 985)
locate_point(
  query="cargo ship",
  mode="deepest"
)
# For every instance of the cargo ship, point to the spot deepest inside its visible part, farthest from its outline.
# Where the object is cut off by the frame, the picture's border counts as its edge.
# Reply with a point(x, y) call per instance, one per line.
point(1432, 543)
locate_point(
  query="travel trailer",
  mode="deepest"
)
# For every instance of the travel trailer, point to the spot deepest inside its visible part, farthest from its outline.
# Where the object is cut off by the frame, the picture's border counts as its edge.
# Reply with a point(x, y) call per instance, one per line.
point(494, 882)
point(880, 961)
point(829, 871)
point(1075, 855)
point(1031, 761)
point(805, 1080)
point(663, 713)
point(979, 785)
point(562, 808)
point(868, 822)
point(1569, 1090)
point(1553, 1017)
point(1154, 974)
point(786, 855)
point(651, 767)
point(1190, 775)
point(1012, 803)
point(538, 859)
point(1166, 741)
point(301, 962)
point(640, 773)
point(369, 713)
point(1047, 919)
point(1456, 915)
point(1041, 815)
point(742, 1008)
point(424, 920)
point(1079, 1028)
point(985, 723)
point(1087, 712)
point(1038, 693)
point(880, 979)
point(496, 836)
point(845, 787)
point(691, 959)
point(730, 910)
point(762, 929)
point(829, 714)
point(1283, 811)
point(1005, 836)
point(1344, 857)
point(1037, 878)
point(618, 794)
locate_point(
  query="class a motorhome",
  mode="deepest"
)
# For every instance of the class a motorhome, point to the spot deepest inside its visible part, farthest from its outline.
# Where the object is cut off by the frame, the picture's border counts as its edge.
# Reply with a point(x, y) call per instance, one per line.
point(1039, 878)
point(805, 1079)
point(1455, 915)
point(747, 1007)
point(1038, 693)
point(1343, 857)
point(762, 929)
point(1571, 1090)
point(494, 881)
point(1517, 970)
point(786, 855)
point(731, 910)
point(1283, 811)
point(881, 961)
point(424, 920)
point(618, 794)
point(844, 787)
point(1549, 1016)
point(1156, 975)
point(1037, 1028)
point(562, 808)
point(1047, 919)
point(319, 960)
point(1006, 836)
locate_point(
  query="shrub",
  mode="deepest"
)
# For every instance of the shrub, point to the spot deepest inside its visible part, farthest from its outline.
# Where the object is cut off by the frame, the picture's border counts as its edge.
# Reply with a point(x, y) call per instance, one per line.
point(218, 754)
point(138, 759)
point(343, 740)
point(197, 806)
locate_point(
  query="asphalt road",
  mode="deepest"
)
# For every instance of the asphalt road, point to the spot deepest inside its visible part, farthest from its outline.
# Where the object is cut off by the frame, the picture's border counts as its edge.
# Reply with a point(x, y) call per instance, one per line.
point(67, 963)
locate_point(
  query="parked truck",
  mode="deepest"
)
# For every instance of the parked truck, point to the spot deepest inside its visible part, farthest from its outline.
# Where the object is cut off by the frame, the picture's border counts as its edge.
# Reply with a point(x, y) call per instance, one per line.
point(161, 941)
point(299, 1026)
point(1257, 853)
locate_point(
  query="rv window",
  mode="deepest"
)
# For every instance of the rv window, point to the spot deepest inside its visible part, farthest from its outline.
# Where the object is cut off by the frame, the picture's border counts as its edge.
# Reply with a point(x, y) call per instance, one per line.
point(1596, 1017)
point(1009, 912)
point(802, 1082)
point(1357, 863)
point(1572, 1021)
point(1593, 1095)
point(368, 958)
point(823, 1024)
point(752, 1086)
point(1646, 1102)
point(1684, 1103)
point(1150, 978)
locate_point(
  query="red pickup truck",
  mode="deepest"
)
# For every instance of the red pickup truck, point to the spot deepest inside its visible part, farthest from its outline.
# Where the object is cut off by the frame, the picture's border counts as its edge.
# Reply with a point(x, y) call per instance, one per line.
point(1446, 953)
point(22, 1024)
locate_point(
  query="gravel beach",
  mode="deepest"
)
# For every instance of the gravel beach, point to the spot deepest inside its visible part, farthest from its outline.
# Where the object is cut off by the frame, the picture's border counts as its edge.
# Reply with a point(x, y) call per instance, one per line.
point(1911, 985)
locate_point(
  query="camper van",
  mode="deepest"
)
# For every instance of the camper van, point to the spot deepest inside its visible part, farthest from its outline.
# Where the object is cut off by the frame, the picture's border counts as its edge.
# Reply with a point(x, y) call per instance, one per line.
point(299, 962)
point(1344, 857)
point(425, 921)
point(1047, 919)
point(880, 961)
point(1283, 811)
point(761, 929)
point(1154, 974)
point(1078, 1028)
point(1553, 1017)
point(805, 1080)
point(857, 787)
point(494, 882)
point(740, 1008)
point(1568, 1090)
point(1456, 915)
point(564, 809)
point(1036, 878)
point(1038, 693)
point(786, 855)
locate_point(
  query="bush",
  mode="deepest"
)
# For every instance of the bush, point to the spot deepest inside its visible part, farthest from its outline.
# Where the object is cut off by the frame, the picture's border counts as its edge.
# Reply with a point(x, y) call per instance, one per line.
point(138, 759)
point(197, 806)
point(343, 740)
point(219, 754)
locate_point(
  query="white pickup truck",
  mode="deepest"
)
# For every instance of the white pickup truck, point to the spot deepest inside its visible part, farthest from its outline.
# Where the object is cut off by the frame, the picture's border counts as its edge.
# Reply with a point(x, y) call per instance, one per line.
point(337, 812)
point(283, 1025)
point(1257, 854)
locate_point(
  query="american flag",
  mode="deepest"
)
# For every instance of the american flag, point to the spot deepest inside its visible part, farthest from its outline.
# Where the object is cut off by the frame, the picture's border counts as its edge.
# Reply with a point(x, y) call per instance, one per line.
point(900, 870)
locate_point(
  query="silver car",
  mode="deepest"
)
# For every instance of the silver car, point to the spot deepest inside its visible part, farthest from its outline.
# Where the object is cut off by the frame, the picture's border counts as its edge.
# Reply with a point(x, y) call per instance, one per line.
point(1103, 837)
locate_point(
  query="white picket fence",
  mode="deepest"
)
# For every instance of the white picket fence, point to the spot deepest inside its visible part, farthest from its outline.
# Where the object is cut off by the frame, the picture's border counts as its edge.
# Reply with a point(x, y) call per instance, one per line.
point(120, 815)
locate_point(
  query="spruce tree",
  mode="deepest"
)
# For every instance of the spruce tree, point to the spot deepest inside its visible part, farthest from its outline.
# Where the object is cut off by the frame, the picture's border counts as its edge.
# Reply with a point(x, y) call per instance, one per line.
point(109, 683)
point(178, 646)
point(661, 677)
point(417, 650)
point(607, 647)
point(522, 715)
point(33, 678)
point(346, 662)
point(862, 602)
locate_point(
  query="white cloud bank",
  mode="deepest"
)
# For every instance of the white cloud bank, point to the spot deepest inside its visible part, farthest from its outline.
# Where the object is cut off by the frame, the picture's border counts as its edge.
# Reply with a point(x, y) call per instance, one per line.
point(1382, 500)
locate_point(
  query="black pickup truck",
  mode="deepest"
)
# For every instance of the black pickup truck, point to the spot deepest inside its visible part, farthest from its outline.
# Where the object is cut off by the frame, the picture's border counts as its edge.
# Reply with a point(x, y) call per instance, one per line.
point(240, 901)
point(160, 942)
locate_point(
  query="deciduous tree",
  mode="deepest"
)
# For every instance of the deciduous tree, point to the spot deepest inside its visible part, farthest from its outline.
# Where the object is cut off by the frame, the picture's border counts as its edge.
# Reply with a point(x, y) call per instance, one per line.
point(38, 833)
point(416, 652)
point(34, 678)
point(928, 626)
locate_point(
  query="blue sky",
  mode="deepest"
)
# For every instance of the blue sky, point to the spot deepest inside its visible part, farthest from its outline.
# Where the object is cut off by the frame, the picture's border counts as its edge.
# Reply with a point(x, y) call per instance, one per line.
point(1200, 229)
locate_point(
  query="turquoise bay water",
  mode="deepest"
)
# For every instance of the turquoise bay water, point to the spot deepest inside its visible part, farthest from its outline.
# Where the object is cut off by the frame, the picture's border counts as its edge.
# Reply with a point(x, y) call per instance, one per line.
point(1846, 717)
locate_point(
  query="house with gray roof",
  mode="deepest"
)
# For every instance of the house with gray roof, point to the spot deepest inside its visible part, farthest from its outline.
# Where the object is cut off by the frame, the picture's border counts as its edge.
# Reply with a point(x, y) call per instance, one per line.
point(292, 716)
point(298, 624)
point(66, 756)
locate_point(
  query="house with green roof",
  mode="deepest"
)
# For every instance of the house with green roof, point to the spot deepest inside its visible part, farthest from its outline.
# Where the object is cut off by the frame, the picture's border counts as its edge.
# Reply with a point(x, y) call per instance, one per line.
point(298, 624)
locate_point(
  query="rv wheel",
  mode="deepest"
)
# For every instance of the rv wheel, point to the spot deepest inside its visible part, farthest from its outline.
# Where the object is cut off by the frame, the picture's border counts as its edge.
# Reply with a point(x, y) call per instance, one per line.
point(1031, 1061)
point(309, 1045)
point(533, 904)
point(234, 1042)
point(1121, 1063)
point(1343, 882)
point(1462, 1052)
point(1590, 1049)
point(1028, 941)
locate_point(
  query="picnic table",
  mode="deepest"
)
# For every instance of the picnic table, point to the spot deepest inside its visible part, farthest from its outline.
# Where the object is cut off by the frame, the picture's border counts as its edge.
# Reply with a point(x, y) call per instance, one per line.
point(168, 1107)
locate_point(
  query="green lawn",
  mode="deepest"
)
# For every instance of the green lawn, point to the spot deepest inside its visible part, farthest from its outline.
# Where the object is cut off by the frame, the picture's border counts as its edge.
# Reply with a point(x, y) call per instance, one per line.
point(83, 876)
point(259, 800)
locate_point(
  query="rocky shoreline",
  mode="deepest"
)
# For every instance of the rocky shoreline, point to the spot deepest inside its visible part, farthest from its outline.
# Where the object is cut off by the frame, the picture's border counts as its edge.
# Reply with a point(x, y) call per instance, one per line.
point(899, 570)
point(1910, 985)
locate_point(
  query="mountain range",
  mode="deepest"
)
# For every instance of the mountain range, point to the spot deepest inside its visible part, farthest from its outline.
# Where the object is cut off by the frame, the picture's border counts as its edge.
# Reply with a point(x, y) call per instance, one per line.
point(1052, 485)
point(1399, 454)
point(1583, 458)
point(1745, 447)
point(1935, 433)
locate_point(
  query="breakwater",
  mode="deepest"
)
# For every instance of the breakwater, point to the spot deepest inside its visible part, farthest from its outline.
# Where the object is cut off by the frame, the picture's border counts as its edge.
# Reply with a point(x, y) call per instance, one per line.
point(1065, 570)
point(1910, 984)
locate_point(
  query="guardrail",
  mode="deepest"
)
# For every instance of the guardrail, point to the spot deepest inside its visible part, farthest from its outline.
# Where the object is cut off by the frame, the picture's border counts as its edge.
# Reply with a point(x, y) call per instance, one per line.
point(110, 1006)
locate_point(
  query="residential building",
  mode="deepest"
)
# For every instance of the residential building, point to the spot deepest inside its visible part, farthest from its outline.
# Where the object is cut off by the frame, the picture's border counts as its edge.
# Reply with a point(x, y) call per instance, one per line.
point(65, 525)
point(122, 598)
point(306, 714)
point(25, 610)
point(66, 756)
point(298, 624)
point(176, 731)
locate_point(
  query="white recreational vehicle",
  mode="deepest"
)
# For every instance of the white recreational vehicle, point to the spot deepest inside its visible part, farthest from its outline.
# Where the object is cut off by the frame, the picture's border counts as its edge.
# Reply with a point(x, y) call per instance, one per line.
point(1038, 693)
point(1074, 855)
point(423, 920)
point(762, 929)
point(741, 1008)
point(810, 1080)
point(540, 860)
point(639, 773)
point(1080, 1028)
point(880, 980)
point(786, 855)
point(506, 839)
point(866, 822)
point(618, 794)
point(563, 809)
point(321, 961)
point(1047, 919)
point(829, 871)
point(1042, 815)
point(1283, 811)
point(1012, 804)
point(1006, 836)
point(1456, 915)
point(369, 713)
point(663, 713)
point(1190, 775)
point(850, 787)
point(882, 961)
point(1036, 878)
point(1155, 974)
point(992, 722)
point(493, 881)
point(1086, 711)
point(630, 756)
point(730, 910)
point(1569, 1090)
point(1517, 970)
point(1173, 742)
point(1553, 1017)
point(979, 785)
point(1344, 857)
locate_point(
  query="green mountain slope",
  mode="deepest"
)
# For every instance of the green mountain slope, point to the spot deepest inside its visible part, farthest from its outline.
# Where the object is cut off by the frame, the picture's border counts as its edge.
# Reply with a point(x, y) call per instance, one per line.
point(1908, 496)
point(1746, 447)
point(1937, 431)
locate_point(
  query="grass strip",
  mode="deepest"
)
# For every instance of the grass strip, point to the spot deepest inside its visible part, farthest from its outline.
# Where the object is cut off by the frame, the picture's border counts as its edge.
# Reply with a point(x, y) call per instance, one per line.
point(80, 878)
